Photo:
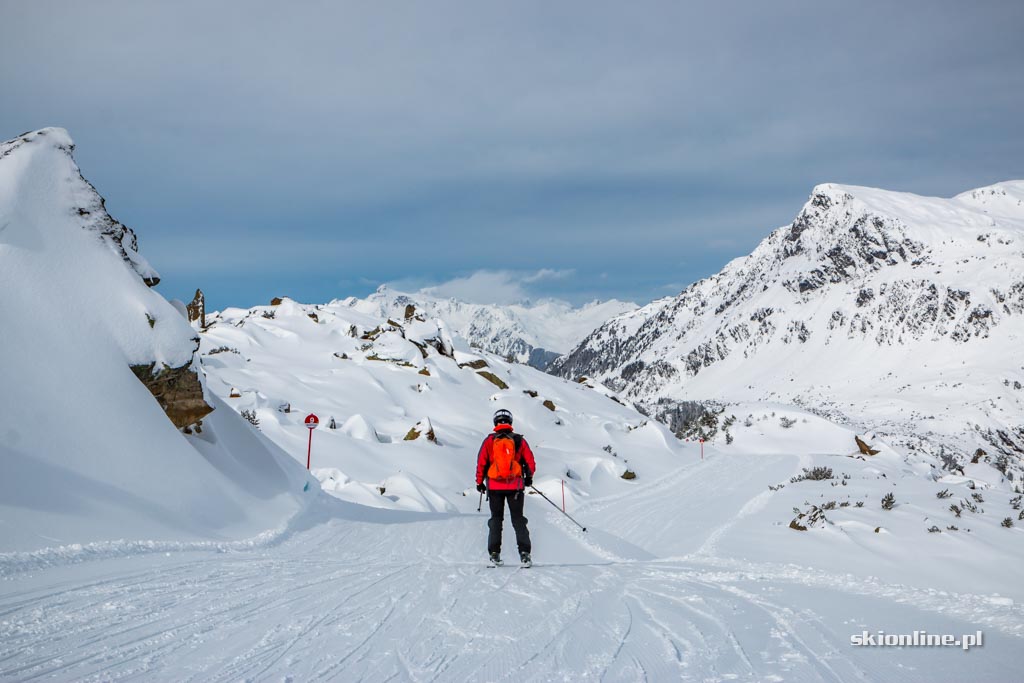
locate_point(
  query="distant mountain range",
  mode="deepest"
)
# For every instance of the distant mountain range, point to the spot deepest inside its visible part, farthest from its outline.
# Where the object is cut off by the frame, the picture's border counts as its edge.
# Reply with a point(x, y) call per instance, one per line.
point(531, 332)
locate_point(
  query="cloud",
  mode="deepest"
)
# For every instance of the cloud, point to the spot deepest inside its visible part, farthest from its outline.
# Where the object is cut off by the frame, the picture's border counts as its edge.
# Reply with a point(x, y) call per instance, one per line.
point(366, 140)
point(493, 286)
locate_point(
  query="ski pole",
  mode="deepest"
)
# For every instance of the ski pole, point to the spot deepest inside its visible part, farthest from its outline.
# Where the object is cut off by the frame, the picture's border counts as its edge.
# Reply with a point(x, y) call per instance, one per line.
point(559, 509)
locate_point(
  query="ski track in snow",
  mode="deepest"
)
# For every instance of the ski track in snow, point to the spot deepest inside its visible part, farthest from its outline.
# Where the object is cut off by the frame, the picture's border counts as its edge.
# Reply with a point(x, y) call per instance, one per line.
point(357, 600)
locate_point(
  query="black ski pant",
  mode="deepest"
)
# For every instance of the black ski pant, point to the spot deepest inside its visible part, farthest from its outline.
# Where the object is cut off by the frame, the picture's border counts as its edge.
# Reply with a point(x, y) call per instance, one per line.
point(515, 508)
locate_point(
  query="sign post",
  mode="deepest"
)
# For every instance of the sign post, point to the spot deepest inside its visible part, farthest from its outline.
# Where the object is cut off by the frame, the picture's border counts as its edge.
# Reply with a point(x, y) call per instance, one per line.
point(702, 449)
point(312, 422)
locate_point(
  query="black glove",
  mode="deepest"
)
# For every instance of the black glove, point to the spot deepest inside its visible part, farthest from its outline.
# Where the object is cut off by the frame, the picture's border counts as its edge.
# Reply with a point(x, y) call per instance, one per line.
point(481, 488)
point(528, 480)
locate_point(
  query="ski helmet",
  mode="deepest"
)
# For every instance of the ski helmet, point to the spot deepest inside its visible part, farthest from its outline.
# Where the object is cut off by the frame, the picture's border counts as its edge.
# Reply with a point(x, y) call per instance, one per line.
point(502, 417)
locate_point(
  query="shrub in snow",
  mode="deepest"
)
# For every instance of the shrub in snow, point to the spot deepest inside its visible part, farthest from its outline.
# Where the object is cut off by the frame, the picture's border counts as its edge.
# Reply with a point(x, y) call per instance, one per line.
point(250, 415)
point(269, 315)
point(955, 509)
point(331, 424)
point(950, 462)
point(952, 527)
point(1015, 502)
point(786, 422)
point(1007, 522)
point(1020, 516)
point(285, 408)
point(888, 501)
point(813, 474)
point(815, 517)
point(977, 498)
point(934, 529)
point(222, 349)
point(944, 493)
point(859, 504)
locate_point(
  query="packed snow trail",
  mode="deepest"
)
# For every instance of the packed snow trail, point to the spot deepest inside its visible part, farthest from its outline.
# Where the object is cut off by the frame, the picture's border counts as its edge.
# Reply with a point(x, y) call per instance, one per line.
point(364, 594)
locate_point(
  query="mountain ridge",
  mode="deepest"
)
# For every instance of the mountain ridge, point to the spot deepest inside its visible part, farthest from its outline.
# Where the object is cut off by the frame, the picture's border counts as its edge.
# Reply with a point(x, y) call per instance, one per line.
point(857, 296)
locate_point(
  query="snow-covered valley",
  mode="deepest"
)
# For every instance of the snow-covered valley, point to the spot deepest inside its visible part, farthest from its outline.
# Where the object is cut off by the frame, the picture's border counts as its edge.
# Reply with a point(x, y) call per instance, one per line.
point(157, 521)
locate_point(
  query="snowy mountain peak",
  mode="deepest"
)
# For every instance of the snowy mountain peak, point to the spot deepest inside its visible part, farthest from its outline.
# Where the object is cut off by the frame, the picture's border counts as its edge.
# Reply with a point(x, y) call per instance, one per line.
point(49, 150)
point(868, 296)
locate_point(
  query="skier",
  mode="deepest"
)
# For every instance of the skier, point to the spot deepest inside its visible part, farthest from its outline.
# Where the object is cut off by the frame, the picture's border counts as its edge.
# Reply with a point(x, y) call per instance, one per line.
point(506, 460)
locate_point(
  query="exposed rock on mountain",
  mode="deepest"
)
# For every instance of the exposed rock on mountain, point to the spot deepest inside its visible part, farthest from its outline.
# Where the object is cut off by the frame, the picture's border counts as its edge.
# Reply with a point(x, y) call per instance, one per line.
point(197, 309)
point(178, 391)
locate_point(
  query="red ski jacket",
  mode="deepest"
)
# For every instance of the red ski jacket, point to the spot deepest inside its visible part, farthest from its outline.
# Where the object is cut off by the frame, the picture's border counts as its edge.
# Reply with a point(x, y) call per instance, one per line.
point(483, 460)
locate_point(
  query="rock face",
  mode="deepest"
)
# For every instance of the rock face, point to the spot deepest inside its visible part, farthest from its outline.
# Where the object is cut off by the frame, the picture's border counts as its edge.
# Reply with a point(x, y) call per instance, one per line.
point(868, 298)
point(178, 391)
point(197, 309)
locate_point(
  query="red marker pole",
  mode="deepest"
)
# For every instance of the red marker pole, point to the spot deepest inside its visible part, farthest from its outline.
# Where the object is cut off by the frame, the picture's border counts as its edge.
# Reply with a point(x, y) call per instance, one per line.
point(312, 422)
point(702, 449)
point(563, 495)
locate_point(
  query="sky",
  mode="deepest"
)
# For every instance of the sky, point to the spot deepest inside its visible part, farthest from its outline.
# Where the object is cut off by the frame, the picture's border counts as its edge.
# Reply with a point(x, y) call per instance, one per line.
point(495, 151)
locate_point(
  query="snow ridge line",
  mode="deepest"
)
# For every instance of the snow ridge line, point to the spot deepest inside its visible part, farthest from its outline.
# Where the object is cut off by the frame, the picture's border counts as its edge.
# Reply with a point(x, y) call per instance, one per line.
point(76, 553)
point(14, 563)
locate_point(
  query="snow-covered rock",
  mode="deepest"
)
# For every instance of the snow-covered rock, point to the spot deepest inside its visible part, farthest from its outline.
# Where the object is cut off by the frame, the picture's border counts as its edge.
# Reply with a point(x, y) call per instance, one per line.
point(86, 453)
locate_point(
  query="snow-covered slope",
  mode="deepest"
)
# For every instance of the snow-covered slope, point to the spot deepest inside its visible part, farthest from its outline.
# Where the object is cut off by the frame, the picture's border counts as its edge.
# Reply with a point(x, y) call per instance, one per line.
point(381, 381)
point(697, 569)
point(529, 332)
point(885, 311)
point(87, 454)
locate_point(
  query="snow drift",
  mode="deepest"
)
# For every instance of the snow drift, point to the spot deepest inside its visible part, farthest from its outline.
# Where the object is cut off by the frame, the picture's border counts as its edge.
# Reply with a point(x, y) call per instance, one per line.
point(86, 452)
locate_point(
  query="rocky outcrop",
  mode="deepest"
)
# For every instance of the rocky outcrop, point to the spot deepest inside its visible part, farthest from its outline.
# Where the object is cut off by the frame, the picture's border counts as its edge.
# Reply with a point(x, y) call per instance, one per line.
point(197, 309)
point(178, 391)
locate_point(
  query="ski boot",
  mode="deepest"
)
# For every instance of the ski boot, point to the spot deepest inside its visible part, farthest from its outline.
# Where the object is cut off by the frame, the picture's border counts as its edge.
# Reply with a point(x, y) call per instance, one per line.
point(524, 559)
point(494, 560)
